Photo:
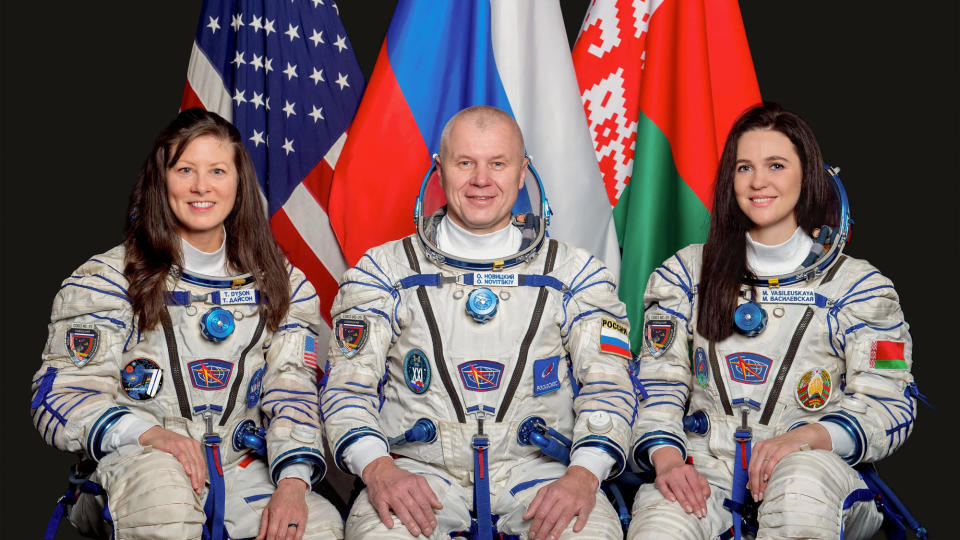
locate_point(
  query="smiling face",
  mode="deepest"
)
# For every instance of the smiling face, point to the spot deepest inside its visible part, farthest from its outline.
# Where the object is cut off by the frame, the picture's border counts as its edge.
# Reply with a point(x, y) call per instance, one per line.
point(481, 170)
point(767, 183)
point(201, 190)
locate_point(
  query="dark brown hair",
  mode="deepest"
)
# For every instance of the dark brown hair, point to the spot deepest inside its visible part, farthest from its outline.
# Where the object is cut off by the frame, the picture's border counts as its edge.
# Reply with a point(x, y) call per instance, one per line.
point(724, 254)
point(153, 245)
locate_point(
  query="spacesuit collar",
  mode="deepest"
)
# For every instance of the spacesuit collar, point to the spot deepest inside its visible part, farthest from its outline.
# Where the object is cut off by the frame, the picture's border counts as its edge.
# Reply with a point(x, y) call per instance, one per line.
point(531, 240)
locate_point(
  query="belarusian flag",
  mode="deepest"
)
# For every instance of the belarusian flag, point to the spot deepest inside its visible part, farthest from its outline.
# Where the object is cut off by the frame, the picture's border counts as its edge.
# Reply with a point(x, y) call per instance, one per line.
point(662, 82)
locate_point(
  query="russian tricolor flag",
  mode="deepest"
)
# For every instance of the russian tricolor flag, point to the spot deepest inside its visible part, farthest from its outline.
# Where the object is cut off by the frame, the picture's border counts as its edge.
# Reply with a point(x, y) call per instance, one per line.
point(439, 57)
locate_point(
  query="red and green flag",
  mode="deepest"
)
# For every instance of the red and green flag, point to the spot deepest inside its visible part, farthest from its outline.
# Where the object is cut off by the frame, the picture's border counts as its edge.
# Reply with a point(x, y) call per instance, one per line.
point(662, 82)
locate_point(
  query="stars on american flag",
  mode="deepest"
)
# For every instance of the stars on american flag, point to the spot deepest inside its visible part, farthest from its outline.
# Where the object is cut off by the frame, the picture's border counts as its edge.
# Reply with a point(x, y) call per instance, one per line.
point(311, 80)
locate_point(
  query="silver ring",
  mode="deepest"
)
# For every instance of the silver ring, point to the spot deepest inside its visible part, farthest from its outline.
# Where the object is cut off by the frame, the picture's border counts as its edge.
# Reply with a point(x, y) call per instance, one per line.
point(294, 525)
point(766, 459)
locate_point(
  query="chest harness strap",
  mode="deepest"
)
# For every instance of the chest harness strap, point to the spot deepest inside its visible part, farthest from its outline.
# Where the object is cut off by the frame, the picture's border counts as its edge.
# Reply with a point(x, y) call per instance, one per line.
point(214, 507)
point(738, 501)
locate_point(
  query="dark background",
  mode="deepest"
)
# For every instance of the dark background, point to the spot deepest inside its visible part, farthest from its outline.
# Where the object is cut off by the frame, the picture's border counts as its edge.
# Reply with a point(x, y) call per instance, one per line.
point(86, 86)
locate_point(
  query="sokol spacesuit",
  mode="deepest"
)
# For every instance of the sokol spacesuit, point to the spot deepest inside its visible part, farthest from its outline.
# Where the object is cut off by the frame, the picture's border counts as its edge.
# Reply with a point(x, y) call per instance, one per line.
point(835, 349)
point(191, 375)
point(476, 348)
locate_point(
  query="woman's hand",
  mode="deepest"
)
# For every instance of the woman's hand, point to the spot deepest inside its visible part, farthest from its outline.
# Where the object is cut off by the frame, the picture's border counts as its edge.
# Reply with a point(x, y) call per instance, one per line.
point(285, 517)
point(679, 481)
point(187, 451)
point(765, 455)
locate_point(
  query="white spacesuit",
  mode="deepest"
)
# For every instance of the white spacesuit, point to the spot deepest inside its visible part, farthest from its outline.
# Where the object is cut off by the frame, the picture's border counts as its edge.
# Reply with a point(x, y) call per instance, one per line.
point(211, 366)
point(476, 348)
point(834, 349)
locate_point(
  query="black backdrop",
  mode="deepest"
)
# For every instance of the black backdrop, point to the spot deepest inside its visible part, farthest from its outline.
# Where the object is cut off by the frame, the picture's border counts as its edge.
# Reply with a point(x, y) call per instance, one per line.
point(86, 86)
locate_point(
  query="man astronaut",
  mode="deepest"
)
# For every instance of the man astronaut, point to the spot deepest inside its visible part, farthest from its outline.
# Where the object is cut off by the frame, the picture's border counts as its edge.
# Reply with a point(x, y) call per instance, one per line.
point(467, 329)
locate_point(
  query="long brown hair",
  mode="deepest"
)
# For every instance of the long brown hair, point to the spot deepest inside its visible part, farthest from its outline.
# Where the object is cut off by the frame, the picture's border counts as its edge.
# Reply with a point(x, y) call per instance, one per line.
point(150, 236)
point(725, 253)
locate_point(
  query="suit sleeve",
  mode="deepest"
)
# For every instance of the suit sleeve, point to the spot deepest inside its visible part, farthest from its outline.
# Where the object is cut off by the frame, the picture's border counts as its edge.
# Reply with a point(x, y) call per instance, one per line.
point(290, 386)
point(367, 307)
point(595, 333)
point(663, 377)
point(74, 392)
point(868, 330)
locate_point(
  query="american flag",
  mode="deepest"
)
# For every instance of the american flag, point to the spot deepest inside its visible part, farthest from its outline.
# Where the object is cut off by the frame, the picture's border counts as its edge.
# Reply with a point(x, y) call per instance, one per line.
point(285, 74)
point(310, 352)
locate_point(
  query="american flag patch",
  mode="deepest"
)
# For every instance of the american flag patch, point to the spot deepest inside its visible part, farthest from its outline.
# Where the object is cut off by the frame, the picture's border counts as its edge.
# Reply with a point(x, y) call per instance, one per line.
point(310, 352)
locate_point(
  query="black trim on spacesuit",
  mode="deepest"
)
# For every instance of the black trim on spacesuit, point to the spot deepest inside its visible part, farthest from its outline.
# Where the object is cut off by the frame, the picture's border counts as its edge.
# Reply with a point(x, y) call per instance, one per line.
point(174, 358)
point(833, 271)
point(715, 366)
point(438, 360)
point(785, 366)
point(528, 337)
point(239, 380)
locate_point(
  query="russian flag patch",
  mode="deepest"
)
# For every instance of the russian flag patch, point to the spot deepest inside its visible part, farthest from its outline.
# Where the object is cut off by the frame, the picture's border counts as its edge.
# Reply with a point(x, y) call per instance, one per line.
point(615, 338)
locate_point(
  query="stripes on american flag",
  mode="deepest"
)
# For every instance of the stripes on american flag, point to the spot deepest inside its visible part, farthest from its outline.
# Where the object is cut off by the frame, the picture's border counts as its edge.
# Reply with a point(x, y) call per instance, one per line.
point(285, 74)
point(310, 352)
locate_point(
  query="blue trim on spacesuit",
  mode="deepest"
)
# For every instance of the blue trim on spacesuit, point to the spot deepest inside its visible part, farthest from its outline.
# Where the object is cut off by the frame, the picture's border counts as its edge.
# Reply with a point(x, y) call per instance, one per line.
point(100, 427)
point(304, 454)
point(655, 438)
point(852, 426)
point(216, 283)
point(605, 444)
point(522, 486)
point(120, 296)
point(350, 437)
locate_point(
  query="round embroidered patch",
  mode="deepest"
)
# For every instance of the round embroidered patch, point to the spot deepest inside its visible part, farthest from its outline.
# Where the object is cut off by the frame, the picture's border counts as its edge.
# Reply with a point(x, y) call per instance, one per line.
point(141, 379)
point(700, 367)
point(255, 387)
point(416, 371)
point(813, 389)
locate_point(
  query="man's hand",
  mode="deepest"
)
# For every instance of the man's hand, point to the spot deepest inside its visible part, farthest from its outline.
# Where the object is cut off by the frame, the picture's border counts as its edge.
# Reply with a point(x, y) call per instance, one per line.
point(680, 482)
point(407, 494)
point(285, 516)
point(555, 504)
point(187, 451)
point(767, 454)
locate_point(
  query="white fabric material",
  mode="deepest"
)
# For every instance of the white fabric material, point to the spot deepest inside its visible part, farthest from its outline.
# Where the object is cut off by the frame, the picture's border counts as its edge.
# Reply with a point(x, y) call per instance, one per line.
point(594, 460)
point(359, 454)
point(764, 260)
point(459, 242)
point(843, 443)
point(532, 54)
point(202, 262)
point(127, 430)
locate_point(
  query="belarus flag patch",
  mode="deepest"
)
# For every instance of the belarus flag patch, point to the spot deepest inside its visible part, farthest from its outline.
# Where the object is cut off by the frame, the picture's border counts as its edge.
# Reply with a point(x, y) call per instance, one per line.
point(615, 338)
point(887, 355)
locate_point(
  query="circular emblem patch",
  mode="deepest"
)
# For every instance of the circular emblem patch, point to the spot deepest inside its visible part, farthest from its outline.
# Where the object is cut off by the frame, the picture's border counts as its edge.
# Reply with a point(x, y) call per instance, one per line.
point(700, 367)
point(256, 387)
point(813, 389)
point(416, 371)
point(141, 379)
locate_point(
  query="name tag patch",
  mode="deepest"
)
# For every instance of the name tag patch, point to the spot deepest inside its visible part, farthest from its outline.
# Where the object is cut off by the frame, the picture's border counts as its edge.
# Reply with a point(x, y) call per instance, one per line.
point(495, 279)
point(141, 379)
point(210, 374)
point(748, 368)
point(481, 375)
point(546, 375)
point(658, 335)
point(615, 338)
point(237, 296)
point(787, 296)
point(82, 344)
